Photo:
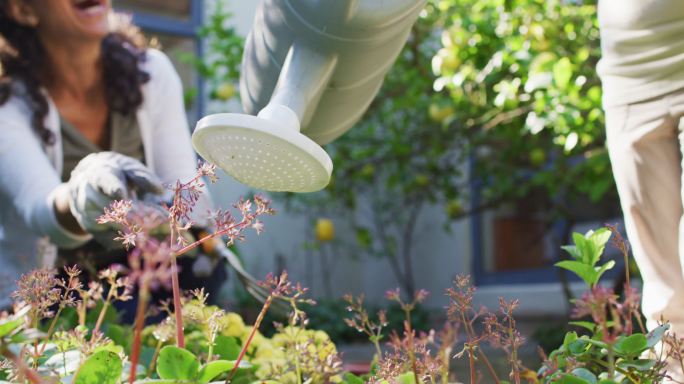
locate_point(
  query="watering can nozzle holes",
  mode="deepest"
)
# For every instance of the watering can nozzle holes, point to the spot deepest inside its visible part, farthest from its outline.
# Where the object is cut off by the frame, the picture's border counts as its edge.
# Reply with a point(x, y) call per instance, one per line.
point(263, 153)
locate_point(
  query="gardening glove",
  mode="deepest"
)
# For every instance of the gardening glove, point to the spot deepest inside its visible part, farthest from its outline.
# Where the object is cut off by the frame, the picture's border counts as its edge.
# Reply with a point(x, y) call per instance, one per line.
point(101, 178)
point(206, 261)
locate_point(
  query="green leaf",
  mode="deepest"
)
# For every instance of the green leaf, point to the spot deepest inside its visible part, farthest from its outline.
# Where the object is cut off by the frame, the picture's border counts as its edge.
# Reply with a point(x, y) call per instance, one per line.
point(598, 240)
point(65, 363)
point(584, 271)
point(406, 378)
point(581, 246)
point(350, 378)
point(579, 346)
point(111, 348)
point(572, 250)
point(119, 335)
point(562, 72)
point(631, 345)
point(588, 325)
point(15, 321)
point(590, 246)
point(569, 338)
point(656, 335)
point(9, 326)
point(597, 343)
point(570, 379)
point(584, 374)
point(639, 364)
point(227, 347)
point(600, 271)
point(102, 367)
point(177, 364)
point(213, 369)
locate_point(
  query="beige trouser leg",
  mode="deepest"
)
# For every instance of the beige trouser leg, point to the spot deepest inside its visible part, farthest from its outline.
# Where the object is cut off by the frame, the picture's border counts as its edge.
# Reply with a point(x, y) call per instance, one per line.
point(645, 142)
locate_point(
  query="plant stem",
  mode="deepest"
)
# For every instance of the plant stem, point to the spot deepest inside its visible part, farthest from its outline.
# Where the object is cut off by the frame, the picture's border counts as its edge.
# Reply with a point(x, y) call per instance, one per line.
point(82, 312)
point(103, 311)
point(298, 369)
point(378, 351)
point(471, 362)
point(514, 356)
point(489, 366)
point(611, 362)
point(50, 330)
point(143, 297)
point(445, 365)
point(30, 374)
point(471, 358)
point(210, 353)
point(412, 355)
point(471, 336)
point(35, 344)
point(180, 337)
point(257, 323)
point(626, 373)
point(153, 363)
point(177, 307)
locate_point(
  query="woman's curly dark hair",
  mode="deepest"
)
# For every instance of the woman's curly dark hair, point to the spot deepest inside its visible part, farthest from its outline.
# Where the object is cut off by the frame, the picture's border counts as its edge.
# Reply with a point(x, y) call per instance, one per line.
point(22, 59)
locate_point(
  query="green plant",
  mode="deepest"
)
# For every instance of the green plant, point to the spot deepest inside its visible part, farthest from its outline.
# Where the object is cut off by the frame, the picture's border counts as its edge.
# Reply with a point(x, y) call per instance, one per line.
point(196, 343)
point(612, 346)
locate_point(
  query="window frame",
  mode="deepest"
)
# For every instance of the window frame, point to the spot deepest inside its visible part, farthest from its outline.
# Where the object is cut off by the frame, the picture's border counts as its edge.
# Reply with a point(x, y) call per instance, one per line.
point(163, 24)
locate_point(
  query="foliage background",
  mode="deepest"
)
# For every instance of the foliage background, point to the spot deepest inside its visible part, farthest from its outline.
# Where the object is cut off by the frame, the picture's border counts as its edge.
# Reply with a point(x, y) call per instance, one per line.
point(492, 103)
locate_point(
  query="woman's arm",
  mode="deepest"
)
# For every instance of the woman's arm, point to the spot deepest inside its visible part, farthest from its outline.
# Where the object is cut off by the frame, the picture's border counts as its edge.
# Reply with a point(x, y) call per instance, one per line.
point(29, 182)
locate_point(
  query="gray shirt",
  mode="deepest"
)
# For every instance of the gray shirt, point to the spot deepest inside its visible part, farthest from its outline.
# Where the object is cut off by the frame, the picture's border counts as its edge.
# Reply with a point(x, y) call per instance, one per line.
point(125, 138)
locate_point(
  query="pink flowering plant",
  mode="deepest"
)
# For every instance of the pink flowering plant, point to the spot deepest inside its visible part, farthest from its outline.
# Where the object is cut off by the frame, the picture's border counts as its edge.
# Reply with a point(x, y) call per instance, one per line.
point(610, 346)
point(198, 343)
point(195, 343)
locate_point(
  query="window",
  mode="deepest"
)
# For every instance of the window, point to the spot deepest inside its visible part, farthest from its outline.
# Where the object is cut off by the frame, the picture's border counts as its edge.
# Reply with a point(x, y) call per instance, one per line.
point(519, 243)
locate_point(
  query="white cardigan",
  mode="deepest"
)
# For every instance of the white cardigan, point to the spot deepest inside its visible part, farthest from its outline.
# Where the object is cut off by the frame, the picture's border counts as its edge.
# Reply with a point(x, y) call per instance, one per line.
point(30, 171)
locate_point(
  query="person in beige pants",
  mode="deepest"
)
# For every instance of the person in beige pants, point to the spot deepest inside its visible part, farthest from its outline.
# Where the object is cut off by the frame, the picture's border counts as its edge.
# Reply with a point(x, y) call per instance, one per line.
point(642, 70)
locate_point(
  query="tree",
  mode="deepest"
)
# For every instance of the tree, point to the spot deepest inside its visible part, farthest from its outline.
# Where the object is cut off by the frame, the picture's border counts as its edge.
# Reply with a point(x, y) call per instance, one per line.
point(501, 94)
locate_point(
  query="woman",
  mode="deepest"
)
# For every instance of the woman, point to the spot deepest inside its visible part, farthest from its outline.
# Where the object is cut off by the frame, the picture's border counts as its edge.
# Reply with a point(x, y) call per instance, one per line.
point(87, 115)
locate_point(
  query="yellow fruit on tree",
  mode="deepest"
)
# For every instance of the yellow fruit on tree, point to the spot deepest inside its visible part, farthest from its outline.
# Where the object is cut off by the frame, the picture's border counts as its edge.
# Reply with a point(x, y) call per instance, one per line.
point(439, 114)
point(367, 171)
point(422, 180)
point(325, 230)
point(225, 91)
point(537, 157)
point(454, 208)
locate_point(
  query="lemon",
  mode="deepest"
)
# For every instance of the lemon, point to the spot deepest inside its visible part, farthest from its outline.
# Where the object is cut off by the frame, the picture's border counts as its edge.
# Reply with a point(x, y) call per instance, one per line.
point(225, 91)
point(454, 208)
point(439, 114)
point(325, 230)
point(537, 157)
point(367, 171)
point(422, 180)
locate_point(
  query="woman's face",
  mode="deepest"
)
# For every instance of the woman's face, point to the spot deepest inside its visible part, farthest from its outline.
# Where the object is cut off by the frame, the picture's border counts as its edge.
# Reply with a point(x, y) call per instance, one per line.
point(72, 20)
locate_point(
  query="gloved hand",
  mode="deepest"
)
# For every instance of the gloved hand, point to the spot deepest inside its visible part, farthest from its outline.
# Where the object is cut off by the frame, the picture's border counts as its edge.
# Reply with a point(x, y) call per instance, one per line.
point(99, 179)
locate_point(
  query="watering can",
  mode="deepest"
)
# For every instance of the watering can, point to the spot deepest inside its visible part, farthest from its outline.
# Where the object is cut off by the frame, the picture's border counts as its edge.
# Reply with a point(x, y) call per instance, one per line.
point(309, 71)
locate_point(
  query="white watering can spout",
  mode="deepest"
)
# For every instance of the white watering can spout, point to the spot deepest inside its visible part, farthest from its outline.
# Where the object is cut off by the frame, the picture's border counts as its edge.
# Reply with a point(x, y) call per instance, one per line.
point(312, 66)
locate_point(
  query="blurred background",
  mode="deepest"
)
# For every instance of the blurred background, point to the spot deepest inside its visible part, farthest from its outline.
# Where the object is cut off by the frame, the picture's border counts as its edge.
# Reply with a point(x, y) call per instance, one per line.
point(481, 155)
